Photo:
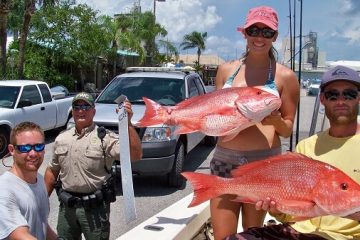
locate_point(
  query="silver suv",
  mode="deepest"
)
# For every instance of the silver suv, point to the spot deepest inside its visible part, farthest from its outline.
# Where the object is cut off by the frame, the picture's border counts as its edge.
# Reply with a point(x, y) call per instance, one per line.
point(163, 151)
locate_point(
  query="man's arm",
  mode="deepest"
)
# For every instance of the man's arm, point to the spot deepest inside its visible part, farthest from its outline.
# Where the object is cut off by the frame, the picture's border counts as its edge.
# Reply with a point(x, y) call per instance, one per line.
point(135, 144)
point(50, 179)
point(21, 233)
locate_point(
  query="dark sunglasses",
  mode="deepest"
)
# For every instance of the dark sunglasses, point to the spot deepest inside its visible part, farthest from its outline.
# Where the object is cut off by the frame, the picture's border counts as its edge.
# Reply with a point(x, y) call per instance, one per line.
point(39, 147)
point(254, 31)
point(82, 107)
point(348, 94)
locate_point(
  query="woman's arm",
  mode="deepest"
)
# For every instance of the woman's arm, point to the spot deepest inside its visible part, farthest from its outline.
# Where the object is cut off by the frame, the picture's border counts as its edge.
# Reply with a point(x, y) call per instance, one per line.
point(283, 120)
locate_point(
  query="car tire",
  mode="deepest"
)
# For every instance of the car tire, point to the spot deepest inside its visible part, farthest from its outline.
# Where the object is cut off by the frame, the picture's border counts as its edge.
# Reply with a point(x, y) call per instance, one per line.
point(210, 141)
point(174, 177)
point(4, 142)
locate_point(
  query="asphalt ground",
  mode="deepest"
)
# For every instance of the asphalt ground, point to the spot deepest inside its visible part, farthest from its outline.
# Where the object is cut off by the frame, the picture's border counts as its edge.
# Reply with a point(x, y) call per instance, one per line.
point(151, 193)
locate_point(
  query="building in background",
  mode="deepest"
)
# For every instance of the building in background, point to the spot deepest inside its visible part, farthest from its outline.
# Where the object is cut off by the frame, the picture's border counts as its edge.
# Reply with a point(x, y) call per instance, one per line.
point(312, 58)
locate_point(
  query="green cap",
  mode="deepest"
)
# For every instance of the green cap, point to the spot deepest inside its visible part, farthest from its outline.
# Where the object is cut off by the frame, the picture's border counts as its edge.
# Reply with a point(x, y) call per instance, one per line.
point(87, 97)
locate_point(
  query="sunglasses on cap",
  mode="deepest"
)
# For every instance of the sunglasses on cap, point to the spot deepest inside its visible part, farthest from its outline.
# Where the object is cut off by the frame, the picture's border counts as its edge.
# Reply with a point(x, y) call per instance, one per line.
point(334, 95)
point(39, 147)
point(84, 107)
point(254, 31)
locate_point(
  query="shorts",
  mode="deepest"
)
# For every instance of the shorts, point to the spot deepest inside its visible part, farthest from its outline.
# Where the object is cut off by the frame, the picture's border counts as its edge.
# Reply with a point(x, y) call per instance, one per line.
point(224, 160)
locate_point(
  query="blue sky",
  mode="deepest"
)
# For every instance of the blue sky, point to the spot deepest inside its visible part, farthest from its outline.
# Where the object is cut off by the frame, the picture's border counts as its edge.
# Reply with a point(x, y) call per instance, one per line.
point(337, 22)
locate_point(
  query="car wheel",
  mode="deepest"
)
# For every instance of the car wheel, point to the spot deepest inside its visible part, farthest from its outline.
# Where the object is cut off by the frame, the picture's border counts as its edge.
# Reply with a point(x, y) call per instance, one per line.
point(4, 142)
point(210, 141)
point(174, 177)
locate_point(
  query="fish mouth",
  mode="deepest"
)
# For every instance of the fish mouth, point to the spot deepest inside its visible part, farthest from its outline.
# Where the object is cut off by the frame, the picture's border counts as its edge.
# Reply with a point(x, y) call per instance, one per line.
point(272, 101)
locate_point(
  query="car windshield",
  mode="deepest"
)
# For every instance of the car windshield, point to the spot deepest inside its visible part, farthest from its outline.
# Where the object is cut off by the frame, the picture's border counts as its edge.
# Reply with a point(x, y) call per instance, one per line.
point(8, 96)
point(166, 91)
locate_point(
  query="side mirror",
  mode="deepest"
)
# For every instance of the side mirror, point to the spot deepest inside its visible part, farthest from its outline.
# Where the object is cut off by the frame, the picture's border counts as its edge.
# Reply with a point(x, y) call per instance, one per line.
point(24, 103)
point(58, 95)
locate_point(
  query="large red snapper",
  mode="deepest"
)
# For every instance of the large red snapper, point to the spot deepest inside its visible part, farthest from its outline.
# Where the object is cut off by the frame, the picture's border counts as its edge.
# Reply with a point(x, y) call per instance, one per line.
point(300, 186)
point(223, 112)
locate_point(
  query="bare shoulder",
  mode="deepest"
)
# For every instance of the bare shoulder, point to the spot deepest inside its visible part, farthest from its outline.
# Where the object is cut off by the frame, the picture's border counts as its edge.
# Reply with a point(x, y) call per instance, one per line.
point(224, 71)
point(228, 66)
point(285, 73)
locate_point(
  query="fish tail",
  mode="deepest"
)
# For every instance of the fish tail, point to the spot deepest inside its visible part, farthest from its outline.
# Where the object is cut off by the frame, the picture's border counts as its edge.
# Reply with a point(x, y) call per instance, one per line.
point(203, 185)
point(154, 114)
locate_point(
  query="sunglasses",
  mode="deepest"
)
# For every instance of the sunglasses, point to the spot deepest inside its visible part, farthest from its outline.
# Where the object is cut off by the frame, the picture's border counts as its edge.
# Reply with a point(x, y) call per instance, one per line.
point(82, 107)
point(254, 31)
point(39, 147)
point(348, 94)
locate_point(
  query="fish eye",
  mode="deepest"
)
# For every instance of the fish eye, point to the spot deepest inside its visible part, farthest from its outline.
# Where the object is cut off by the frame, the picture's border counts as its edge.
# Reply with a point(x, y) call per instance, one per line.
point(344, 186)
point(259, 93)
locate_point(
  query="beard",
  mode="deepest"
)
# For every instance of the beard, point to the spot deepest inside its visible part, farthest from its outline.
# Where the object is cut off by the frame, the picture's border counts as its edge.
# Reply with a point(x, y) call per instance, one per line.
point(343, 118)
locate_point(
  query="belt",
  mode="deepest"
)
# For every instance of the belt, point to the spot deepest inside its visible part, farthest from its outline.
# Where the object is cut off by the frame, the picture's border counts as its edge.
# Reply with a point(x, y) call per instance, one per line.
point(86, 200)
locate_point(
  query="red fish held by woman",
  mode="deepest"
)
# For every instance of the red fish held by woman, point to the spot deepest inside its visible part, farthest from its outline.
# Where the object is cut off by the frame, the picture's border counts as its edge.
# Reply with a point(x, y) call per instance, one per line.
point(224, 112)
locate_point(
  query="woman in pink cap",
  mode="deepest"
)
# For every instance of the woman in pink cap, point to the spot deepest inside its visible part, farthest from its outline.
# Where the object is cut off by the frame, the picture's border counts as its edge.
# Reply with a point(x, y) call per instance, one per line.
point(257, 67)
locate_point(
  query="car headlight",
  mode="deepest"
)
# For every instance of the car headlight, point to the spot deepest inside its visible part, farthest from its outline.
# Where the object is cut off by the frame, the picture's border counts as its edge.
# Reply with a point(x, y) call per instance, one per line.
point(157, 134)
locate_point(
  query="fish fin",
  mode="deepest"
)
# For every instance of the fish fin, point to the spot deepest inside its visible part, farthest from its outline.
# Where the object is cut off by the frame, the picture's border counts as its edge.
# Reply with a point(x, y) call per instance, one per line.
point(239, 171)
point(298, 204)
point(204, 186)
point(154, 114)
point(185, 129)
point(244, 200)
point(294, 207)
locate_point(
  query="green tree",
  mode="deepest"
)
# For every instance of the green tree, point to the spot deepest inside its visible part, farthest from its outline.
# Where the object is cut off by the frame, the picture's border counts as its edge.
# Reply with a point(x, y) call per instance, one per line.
point(29, 11)
point(5, 6)
point(195, 40)
point(170, 51)
point(74, 33)
point(126, 38)
point(147, 30)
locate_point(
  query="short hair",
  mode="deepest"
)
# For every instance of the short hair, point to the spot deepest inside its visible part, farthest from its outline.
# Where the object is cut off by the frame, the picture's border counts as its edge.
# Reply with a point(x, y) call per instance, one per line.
point(24, 127)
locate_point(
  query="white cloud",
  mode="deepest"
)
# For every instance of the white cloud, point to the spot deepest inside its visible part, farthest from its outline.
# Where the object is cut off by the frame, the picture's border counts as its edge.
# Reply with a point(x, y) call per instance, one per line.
point(106, 7)
point(182, 17)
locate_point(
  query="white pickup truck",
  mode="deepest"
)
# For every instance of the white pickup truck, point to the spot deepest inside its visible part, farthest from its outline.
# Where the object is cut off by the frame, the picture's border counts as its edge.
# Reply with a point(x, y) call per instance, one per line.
point(27, 100)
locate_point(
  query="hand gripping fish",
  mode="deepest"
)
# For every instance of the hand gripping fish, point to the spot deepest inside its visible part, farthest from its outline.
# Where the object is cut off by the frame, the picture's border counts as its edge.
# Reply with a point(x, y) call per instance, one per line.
point(223, 112)
point(300, 186)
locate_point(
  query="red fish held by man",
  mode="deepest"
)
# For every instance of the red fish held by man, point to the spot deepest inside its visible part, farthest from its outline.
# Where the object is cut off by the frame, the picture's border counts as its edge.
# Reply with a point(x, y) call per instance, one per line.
point(300, 186)
point(223, 112)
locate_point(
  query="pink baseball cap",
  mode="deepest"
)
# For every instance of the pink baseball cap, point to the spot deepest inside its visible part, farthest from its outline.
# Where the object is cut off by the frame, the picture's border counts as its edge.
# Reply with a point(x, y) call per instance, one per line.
point(262, 14)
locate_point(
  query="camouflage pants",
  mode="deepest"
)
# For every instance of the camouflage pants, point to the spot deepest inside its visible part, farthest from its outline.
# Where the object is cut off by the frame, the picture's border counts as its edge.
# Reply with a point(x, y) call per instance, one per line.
point(93, 223)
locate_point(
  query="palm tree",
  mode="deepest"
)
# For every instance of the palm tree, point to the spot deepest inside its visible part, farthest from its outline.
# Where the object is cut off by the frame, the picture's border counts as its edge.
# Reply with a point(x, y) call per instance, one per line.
point(29, 11)
point(30, 7)
point(170, 49)
point(194, 40)
point(5, 6)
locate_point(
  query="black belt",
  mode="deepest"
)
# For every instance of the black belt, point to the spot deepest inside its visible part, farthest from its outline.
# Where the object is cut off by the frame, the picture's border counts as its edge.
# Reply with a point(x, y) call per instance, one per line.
point(86, 200)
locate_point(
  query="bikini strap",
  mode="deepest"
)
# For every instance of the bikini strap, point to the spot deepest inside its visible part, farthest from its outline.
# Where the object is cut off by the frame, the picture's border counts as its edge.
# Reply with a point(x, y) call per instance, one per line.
point(270, 78)
point(230, 80)
point(270, 83)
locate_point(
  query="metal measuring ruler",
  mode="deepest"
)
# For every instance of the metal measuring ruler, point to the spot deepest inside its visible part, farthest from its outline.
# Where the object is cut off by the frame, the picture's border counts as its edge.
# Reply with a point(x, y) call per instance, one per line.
point(125, 163)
